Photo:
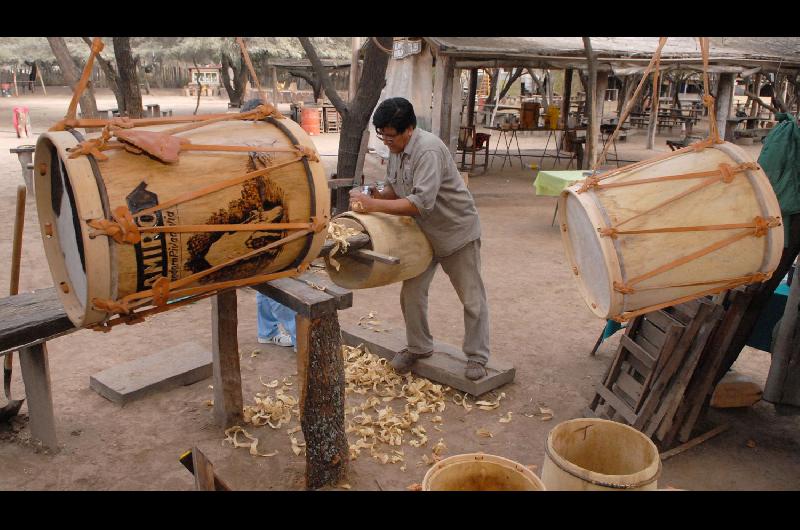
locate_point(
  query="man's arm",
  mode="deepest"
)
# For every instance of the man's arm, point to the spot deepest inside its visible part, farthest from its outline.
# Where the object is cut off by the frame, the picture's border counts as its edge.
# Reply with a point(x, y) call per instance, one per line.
point(383, 202)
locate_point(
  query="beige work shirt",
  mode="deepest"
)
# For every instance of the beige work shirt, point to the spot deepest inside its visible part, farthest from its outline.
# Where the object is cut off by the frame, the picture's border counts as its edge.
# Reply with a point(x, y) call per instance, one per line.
point(426, 174)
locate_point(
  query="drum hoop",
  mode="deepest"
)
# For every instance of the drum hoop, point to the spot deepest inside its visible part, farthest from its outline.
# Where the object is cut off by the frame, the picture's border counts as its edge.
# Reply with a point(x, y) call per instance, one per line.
point(609, 251)
point(301, 256)
point(98, 250)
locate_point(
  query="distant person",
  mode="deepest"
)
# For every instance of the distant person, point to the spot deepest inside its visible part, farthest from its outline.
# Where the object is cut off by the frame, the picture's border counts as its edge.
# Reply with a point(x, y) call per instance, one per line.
point(276, 322)
point(32, 76)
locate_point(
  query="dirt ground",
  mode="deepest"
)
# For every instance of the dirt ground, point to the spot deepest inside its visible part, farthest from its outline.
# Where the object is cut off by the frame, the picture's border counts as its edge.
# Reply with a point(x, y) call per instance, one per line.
point(539, 324)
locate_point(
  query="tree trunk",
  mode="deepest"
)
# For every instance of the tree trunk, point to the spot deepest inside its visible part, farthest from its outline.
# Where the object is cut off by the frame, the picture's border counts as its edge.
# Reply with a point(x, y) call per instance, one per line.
point(311, 79)
point(72, 75)
point(128, 78)
point(356, 115)
point(235, 89)
point(655, 100)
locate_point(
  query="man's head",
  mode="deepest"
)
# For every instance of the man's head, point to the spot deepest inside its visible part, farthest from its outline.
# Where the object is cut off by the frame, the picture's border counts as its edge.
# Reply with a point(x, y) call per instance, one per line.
point(394, 121)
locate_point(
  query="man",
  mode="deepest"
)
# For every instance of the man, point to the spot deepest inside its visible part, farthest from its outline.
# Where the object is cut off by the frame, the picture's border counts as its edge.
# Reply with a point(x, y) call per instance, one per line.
point(422, 181)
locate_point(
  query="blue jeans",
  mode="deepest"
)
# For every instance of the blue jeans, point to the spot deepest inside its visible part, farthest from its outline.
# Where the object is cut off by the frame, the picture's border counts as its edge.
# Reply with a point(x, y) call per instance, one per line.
point(270, 313)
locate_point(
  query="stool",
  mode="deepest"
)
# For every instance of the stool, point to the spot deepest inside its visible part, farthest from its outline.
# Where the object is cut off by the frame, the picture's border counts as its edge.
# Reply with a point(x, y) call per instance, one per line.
point(22, 121)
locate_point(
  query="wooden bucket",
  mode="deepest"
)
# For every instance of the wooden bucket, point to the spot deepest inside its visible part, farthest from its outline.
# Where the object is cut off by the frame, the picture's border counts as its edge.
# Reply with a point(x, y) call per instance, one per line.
point(594, 454)
point(392, 235)
point(97, 276)
point(480, 472)
point(664, 231)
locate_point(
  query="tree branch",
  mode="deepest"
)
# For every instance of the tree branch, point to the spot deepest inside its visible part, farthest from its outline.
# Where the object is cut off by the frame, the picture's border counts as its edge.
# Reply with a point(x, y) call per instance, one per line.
point(763, 103)
point(510, 81)
point(322, 75)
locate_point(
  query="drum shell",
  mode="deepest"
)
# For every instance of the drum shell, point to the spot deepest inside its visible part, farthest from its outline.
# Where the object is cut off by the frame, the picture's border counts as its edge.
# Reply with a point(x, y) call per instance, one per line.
point(137, 181)
point(599, 261)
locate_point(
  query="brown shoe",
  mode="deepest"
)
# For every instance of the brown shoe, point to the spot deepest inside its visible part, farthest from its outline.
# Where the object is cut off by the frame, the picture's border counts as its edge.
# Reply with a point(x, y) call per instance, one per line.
point(404, 359)
point(474, 371)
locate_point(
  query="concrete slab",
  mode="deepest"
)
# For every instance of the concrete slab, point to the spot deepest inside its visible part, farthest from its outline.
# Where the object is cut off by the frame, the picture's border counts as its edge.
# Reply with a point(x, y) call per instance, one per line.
point(181, 365)
point(445, 366)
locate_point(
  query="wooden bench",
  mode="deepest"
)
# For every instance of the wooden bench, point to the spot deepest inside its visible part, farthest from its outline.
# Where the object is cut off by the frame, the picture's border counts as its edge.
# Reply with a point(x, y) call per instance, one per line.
point(29, 320)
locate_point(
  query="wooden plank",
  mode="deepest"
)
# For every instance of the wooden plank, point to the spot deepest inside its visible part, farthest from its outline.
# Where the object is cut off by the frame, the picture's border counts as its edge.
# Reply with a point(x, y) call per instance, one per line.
point(353, 242)
point(661, 320)
point(651, 349)
point(32, 318)
point(371, 255)
point(650, 332)
point(299, 296)
point(343, 296)
point(322, 397)
point(715, 352)
point(630, 386)
point(660, 386)
point(227, 378)
point(614, 367)
point(173, 367)
point(36, 377)
point(622, 395)
point(621, 408)
point(674, 333)
point(696, 441)
point(679, 387)
point(637, 351)
point(203, 472)
point(445, 366)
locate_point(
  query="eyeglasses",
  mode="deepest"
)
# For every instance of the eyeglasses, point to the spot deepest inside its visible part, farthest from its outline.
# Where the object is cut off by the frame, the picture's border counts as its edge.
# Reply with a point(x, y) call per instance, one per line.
point(386, 138)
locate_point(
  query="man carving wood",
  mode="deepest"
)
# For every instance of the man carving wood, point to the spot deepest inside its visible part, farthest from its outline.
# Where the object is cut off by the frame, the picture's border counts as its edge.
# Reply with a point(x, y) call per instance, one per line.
point(422, 181)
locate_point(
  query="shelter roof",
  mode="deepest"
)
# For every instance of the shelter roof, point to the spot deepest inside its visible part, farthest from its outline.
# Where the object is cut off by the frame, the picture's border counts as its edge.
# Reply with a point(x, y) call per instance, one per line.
point(615, 53)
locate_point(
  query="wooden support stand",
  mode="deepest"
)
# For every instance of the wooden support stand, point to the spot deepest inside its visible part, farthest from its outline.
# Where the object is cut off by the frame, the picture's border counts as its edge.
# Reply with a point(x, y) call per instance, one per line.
point(228, 402)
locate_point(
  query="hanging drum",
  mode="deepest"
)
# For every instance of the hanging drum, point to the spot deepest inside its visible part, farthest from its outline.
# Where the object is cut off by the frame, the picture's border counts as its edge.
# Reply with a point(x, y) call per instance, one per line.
point(664, 231)
point(159, 216)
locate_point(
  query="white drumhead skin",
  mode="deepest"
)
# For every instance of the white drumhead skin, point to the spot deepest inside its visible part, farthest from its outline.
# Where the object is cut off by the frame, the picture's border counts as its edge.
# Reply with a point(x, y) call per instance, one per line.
point(77, 280)
point(592, 258)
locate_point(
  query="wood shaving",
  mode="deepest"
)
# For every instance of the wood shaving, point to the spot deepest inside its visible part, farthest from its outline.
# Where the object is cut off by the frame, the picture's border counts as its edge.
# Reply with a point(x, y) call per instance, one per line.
point(338, 233)
point(232, 436)
point(254, 353)
point(414, 487)
point(371, 322)
point(271, 384)
point(545, 414)
point(344, 486)
point(484, 433)
point(506, 418)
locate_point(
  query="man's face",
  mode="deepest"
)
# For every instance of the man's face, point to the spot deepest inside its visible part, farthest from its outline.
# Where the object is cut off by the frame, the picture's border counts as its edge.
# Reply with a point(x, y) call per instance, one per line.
point(395, 141)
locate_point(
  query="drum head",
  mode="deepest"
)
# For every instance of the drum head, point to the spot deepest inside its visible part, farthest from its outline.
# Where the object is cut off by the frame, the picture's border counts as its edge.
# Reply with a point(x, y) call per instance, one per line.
point(585, 253)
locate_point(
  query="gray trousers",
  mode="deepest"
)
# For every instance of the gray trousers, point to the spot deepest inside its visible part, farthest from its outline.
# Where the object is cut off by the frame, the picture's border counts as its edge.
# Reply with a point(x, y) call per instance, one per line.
point(464, 269)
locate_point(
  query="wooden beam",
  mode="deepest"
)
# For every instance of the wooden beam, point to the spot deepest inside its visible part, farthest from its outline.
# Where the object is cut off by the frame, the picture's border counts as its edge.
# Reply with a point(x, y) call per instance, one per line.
point(593, 128)
point(31, 318)
point(473, 89)
point(566, 96)
point(227, 378)
point(320, 369)
point(442, 98)
point(724, 102)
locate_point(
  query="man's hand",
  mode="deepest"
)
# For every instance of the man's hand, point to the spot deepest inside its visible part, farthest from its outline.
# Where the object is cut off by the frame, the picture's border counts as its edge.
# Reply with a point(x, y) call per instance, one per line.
point(359, 202)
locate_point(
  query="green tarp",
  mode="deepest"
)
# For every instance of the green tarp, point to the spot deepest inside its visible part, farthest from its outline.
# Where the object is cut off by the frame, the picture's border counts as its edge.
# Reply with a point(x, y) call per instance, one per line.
point(780, 160)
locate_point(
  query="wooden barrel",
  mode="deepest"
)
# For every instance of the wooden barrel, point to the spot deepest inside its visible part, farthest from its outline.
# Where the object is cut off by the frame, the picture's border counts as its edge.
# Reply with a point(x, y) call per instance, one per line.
point(480, 472)
point(667, 230)
point(171, 207)
point(392, 235)
point(309, 120)
point(588, 454)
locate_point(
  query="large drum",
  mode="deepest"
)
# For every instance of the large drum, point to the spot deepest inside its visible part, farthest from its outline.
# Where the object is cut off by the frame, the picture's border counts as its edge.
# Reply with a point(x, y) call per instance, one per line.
point(667, 230)
point(133, 230)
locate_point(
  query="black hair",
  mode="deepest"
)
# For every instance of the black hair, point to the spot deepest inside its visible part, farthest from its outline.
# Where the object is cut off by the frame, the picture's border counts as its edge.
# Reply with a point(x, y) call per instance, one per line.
point(397, 113)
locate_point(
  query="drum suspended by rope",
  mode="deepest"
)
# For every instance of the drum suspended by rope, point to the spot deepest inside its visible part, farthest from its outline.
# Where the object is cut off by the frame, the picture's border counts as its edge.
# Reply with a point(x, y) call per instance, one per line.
point(161, 216)
point(663, 231)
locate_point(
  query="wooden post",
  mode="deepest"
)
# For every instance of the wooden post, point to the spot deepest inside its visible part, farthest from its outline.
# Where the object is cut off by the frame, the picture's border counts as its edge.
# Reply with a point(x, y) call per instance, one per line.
point(203, 471)
point(652, 127)
point(473, 89)
point(566, 96)
point(41, 81)
point(442, 98)
point(320, 369)
point(755, 107)
point(275, 93)
point(228, 402)
point(16, 90)
point(723, 103)
point(782, 385)
point(36, 377)
point(593, 128)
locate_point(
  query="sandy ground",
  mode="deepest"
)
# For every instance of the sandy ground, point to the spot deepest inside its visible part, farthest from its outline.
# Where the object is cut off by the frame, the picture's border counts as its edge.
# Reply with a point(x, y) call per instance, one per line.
point(538, 323)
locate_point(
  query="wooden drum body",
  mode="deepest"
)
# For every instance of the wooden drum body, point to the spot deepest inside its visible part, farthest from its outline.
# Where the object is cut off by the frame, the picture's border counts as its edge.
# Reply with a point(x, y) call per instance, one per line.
point(83, 201)
point(663, 231)
point(394, 235)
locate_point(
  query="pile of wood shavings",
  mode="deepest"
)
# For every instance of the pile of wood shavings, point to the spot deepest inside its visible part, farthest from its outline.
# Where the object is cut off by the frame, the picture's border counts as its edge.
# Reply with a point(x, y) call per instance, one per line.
point(378, 426)
point(339, 234)
point(371, 322)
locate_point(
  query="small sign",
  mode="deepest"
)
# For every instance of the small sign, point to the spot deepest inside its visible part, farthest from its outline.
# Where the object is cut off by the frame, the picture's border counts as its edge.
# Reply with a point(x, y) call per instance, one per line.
point(404, 48)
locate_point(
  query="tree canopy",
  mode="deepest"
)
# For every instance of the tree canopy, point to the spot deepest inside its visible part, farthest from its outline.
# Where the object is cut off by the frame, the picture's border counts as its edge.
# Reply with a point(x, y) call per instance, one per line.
point(17, 50)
